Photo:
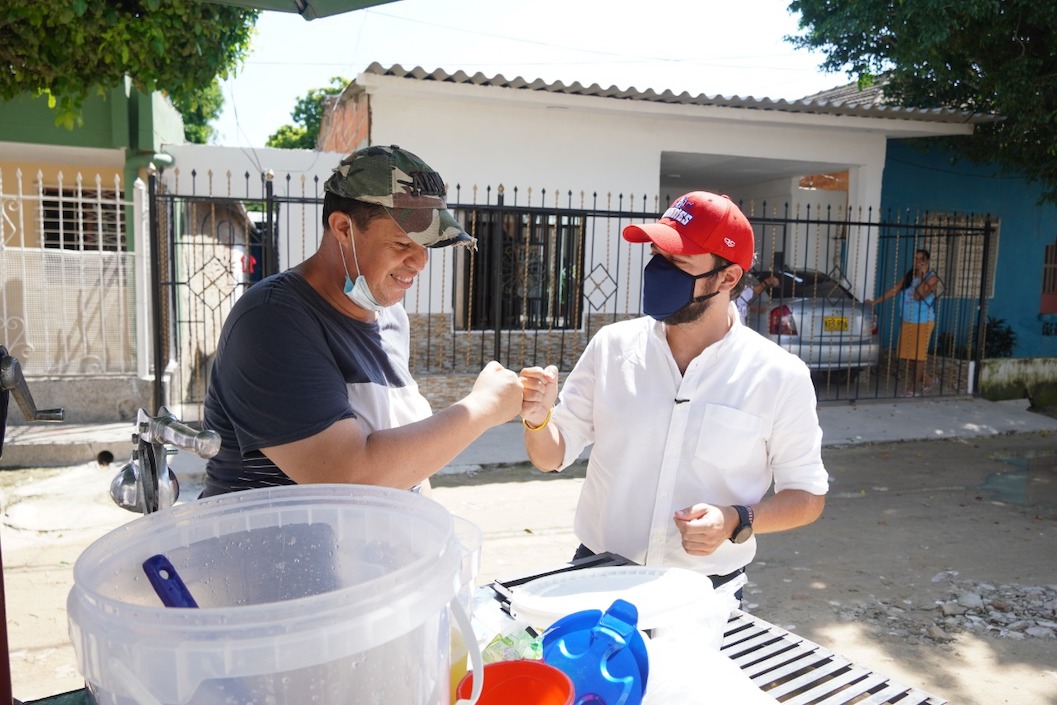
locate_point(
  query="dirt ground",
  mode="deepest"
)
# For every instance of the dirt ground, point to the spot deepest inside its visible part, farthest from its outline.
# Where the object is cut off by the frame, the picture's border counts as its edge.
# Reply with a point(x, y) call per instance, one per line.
point(906, 526)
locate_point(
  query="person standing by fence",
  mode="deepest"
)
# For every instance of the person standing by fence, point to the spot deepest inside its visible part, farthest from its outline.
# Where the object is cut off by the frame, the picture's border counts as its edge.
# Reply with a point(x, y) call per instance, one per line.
point(918, 314)
point(753, 288)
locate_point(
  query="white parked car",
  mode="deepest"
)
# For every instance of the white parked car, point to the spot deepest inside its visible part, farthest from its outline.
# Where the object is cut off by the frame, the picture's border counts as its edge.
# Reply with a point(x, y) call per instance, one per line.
point(815, 317)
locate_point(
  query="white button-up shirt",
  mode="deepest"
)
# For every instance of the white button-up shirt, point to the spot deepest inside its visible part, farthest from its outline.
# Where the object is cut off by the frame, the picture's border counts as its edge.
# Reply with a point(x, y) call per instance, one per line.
point(741, 417)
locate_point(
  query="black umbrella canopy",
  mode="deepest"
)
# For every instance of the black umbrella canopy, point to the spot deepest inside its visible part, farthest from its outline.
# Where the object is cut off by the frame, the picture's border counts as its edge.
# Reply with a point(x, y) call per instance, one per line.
point(309, 9)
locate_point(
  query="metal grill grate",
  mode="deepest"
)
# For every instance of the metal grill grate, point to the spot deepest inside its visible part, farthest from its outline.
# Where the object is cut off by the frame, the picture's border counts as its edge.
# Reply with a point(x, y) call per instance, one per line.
point(795, 671)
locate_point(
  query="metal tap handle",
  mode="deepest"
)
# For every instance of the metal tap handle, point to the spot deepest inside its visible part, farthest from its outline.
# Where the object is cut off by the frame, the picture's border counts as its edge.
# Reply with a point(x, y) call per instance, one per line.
point(11, 379)
point(166, 428)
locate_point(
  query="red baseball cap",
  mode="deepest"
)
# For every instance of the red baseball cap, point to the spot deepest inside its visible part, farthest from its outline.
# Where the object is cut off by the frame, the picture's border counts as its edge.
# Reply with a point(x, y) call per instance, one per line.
point(700, 223)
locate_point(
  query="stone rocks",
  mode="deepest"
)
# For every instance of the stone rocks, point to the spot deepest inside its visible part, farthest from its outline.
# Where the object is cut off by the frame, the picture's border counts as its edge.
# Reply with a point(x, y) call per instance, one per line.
point(951, 609)
point(937, 634)
point(1005, 611)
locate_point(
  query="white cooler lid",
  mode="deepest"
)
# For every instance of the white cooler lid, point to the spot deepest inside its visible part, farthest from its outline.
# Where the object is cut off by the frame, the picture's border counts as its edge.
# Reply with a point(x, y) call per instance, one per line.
point(663, 596)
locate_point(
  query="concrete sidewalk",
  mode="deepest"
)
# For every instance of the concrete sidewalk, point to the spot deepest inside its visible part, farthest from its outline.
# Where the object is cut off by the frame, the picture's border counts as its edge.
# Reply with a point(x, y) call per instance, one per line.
point(842, 424)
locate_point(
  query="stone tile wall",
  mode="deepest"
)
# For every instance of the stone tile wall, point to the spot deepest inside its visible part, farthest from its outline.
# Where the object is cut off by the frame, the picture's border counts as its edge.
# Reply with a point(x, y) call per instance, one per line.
point(445, 363)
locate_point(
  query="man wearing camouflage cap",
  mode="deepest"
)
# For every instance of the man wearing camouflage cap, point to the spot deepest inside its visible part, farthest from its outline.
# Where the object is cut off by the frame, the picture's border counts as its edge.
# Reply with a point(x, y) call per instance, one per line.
point(311, 380)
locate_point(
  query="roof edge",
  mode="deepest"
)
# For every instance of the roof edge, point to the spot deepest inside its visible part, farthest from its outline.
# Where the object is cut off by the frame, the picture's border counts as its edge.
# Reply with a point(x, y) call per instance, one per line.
point(823, 104)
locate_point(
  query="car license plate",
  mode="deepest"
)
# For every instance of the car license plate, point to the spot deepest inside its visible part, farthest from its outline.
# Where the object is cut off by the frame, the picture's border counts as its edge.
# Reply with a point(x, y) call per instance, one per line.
point(835, 324)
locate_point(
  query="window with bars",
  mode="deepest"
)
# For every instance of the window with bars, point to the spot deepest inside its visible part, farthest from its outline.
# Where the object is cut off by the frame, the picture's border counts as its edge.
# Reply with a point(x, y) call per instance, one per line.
point(82, 219)
point(956, 246)
point(1048, 304)
point(526, 273)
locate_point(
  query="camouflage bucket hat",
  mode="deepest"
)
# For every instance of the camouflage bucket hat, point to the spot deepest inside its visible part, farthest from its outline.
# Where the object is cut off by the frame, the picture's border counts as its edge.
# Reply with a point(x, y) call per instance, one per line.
point(410, 190)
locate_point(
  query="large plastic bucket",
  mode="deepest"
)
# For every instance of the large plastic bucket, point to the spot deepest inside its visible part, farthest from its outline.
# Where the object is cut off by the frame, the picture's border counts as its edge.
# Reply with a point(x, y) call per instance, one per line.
point(318, 594)
point(470, 541)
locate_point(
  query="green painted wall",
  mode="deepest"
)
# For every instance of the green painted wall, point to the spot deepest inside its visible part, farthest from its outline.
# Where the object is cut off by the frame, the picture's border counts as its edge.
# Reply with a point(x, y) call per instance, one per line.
point(1012, 378)
point(122, 118)
point(29, 119)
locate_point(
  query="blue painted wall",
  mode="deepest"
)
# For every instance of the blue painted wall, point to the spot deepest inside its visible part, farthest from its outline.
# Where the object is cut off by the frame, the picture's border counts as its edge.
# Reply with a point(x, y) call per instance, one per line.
point(917, 180)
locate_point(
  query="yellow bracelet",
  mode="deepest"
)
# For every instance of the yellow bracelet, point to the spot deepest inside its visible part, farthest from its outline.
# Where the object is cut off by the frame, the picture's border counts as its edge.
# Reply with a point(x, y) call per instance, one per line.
point(545, 421)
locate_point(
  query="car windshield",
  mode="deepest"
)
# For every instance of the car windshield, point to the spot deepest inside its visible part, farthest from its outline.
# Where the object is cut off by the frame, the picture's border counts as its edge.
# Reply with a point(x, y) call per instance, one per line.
point(809, 284)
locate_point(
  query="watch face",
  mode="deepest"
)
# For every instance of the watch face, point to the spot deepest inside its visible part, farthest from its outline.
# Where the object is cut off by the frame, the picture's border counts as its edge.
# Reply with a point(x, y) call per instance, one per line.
point(742, 534)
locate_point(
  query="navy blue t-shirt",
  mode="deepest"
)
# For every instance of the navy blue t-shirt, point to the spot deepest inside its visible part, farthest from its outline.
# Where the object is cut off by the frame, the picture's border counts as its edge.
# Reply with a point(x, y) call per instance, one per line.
point(288, 365)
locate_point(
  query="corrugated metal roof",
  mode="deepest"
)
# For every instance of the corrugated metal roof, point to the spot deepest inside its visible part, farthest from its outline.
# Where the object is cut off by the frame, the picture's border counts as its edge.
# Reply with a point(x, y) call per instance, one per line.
point(851, 94)
point(839, 101)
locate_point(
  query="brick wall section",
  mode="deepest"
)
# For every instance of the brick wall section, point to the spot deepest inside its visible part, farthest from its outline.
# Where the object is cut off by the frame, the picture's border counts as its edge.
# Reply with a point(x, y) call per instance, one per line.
point(347, 126)
point(445, 363)
point(444, 390)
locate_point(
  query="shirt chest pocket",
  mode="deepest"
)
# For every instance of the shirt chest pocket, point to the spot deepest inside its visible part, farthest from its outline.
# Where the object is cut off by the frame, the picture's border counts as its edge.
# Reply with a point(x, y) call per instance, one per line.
point(728, 437)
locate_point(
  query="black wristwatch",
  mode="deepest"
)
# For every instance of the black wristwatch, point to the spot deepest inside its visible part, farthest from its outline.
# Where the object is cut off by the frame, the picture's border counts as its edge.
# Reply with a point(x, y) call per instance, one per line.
point(744, 530)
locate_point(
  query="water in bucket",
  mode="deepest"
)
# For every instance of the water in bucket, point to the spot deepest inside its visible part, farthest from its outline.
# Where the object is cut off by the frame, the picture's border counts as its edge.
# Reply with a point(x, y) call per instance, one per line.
point(307, 594)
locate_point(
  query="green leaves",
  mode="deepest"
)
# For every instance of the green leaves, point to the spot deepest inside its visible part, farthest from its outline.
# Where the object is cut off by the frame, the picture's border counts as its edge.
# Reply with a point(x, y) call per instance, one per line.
point(308, 116)
point(291, 137)
point(70, 48)
point(199, 110)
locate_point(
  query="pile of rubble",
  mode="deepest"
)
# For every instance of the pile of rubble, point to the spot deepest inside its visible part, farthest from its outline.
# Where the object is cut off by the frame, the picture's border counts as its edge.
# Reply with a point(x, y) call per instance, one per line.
point(1006, 611)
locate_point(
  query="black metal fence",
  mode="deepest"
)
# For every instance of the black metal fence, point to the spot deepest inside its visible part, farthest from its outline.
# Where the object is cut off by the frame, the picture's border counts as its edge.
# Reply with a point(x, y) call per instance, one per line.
point(961, 251)
point(551, 268)
point(864, 254)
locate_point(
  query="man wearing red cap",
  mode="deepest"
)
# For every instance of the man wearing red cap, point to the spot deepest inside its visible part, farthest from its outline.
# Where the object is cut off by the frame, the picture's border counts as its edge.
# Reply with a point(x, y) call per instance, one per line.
point(692, 415)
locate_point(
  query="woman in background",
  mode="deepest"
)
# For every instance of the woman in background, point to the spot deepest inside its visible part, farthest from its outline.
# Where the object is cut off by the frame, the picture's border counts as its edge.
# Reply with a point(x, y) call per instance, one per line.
point(918, 313)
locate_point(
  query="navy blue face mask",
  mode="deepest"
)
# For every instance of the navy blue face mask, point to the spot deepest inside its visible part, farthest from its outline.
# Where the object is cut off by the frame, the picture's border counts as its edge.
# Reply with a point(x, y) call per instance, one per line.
point(666, 288)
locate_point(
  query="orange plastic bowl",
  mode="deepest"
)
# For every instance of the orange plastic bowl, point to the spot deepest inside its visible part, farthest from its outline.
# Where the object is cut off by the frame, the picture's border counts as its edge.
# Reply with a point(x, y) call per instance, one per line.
point(524, 682)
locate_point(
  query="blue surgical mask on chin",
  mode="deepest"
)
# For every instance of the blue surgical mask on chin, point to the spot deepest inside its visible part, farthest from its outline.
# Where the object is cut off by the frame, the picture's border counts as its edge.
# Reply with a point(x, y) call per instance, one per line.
point(666, 288)
point(359, 293)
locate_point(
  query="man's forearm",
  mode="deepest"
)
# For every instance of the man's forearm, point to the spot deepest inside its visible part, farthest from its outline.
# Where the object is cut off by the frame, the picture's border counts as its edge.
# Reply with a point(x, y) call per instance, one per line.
point(787, 510)
point(545, 447)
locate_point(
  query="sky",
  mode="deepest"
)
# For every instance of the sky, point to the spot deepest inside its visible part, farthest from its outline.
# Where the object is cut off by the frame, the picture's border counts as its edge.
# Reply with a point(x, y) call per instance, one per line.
point(709, 47)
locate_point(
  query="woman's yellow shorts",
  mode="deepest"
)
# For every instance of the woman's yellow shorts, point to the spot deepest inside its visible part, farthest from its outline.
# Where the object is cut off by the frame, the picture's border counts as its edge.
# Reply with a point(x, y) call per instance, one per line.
point(914, 340)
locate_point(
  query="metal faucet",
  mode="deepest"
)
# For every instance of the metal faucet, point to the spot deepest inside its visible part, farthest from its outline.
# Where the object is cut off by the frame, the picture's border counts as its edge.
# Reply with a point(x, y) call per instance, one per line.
point(145, 484)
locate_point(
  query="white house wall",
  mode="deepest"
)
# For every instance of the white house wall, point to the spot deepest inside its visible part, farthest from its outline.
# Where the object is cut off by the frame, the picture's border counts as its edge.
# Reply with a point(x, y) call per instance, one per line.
point(604, 148)
point(863, 183)
point(486, 136)
point(298, 173)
